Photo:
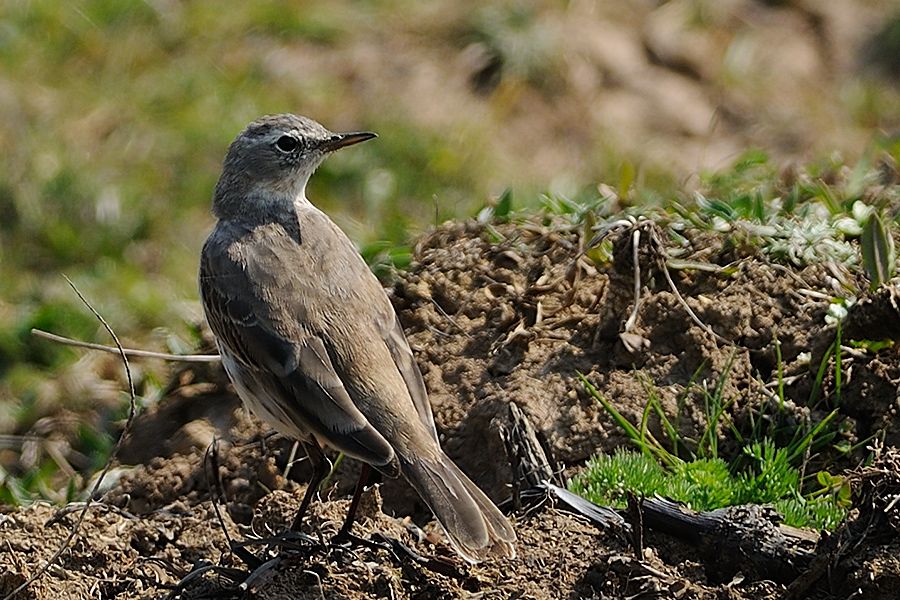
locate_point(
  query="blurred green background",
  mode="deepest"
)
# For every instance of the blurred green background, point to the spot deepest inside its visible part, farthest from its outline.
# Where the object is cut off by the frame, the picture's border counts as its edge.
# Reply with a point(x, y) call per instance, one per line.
point(115, 115)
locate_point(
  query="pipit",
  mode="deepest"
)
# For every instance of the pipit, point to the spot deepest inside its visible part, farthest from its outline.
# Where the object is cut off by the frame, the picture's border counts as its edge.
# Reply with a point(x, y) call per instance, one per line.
point(310, 339)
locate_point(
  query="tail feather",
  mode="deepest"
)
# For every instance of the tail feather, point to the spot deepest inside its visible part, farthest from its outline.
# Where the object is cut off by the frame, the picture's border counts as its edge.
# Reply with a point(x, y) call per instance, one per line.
point(475, 527)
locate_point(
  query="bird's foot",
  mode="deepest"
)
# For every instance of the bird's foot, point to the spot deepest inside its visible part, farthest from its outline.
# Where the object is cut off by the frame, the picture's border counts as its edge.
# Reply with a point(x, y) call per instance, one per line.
point(401, 552)
point(290, 542)
point(346, 539)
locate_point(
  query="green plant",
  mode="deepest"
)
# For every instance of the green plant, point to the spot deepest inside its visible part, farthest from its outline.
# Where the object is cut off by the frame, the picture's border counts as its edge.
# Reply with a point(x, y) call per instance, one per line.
point(693, 472)
point(877, 243)
point(708, 484)
point(385, 257)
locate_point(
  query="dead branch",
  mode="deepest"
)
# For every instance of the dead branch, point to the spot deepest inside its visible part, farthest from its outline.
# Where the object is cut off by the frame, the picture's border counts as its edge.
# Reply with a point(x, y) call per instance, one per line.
point(125, 351)
point(749, 539)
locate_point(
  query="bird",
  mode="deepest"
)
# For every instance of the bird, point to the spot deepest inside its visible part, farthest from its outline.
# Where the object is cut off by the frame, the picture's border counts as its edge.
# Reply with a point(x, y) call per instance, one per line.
point(311, 341)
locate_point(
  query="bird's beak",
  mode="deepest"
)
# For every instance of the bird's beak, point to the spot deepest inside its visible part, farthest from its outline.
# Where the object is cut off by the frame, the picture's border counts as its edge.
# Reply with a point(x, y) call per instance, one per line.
point(340, 140)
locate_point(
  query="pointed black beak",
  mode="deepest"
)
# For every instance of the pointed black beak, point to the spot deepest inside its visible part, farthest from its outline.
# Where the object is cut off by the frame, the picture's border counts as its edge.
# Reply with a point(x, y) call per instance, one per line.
point(340, 140)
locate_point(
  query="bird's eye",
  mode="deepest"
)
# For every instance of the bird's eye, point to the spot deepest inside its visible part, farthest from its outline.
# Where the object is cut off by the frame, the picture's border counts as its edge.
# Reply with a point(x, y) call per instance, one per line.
point(287, 143)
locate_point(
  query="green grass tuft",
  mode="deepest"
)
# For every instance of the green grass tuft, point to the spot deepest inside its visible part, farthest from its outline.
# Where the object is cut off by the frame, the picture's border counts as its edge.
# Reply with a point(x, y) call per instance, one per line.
point(693, 472)
point(709, 483)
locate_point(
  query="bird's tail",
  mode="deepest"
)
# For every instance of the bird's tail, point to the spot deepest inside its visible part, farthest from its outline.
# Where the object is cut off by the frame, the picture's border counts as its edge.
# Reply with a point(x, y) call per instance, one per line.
point(476, 528)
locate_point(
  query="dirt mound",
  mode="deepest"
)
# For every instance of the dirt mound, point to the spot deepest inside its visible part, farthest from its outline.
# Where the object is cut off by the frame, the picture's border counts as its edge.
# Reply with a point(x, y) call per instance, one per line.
point(495, 314)
point(513, 314)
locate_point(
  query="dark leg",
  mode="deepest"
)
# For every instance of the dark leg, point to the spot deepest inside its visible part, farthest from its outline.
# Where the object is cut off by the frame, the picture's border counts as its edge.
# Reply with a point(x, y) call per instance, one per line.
point(344, 533)
point(320, 469)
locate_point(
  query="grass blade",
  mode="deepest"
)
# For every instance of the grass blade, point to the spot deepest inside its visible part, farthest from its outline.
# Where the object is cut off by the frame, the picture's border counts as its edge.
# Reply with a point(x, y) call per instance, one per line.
point(877, 247)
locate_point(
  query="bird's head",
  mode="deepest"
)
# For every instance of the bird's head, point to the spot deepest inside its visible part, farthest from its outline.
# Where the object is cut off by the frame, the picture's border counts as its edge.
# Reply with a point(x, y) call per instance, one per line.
point(272, 159)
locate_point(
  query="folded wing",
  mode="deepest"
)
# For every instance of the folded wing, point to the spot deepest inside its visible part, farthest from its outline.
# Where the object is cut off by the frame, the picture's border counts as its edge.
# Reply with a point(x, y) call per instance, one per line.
point(295, 371)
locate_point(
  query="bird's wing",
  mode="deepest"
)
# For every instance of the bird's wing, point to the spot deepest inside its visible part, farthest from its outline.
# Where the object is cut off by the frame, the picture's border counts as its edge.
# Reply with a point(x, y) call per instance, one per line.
point(392, 333)
point(296, 371)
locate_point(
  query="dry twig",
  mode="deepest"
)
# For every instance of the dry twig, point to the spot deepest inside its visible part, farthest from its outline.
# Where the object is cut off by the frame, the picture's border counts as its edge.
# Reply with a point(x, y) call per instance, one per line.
point(124, 351)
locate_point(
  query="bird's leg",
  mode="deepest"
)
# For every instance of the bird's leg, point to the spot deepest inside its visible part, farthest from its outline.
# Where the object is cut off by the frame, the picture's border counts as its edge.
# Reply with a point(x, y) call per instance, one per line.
point(320, 469)
point(344, 535)
point(344, 532)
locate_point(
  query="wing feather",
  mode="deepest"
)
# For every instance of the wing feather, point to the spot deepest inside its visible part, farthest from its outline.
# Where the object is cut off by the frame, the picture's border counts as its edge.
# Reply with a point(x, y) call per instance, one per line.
point(393, 336)
point(295, 372)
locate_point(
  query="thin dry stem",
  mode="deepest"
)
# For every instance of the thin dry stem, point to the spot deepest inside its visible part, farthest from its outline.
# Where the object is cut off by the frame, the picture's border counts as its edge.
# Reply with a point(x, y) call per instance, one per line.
point(125, 351)
point(635, 247)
